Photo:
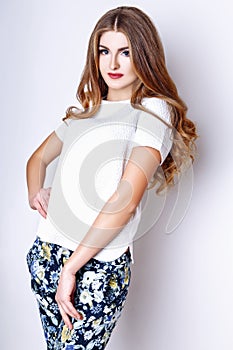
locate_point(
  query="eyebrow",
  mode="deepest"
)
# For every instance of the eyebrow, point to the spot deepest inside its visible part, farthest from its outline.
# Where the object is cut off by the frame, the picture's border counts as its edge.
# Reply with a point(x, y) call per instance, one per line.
point(120, 49)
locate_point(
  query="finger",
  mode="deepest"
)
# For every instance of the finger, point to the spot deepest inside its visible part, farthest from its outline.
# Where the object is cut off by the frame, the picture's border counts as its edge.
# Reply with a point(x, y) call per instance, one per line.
point(69, 308)
point(65, 317)
point(43, 202)
point(42, 213)
point(39, 208)
point(44, 206)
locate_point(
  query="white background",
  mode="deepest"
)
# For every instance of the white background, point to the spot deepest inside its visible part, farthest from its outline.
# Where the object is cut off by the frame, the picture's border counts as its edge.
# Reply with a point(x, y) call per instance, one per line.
point(181, 296)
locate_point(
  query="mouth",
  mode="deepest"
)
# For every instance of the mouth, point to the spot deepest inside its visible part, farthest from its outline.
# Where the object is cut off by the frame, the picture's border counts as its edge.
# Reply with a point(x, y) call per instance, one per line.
point(115, 75)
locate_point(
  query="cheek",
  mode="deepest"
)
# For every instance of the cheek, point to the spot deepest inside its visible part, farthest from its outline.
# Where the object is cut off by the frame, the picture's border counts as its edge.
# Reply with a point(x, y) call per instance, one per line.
point(102, 64)
point(129, 68)
point(132, 74)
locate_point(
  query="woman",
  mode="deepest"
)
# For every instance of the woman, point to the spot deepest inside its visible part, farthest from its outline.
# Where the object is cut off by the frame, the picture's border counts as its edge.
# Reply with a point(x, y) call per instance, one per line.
point(131, 113)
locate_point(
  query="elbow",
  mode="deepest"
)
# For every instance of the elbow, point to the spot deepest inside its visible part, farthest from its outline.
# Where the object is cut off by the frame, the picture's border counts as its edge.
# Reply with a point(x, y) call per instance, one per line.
point(35, 160)
point(132, 208)
point(29, 162)
point(128, 196)
point(122, 201)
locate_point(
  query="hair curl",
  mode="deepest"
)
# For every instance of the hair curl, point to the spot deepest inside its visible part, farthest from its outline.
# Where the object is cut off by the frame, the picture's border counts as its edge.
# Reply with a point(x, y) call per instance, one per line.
point(148, 59)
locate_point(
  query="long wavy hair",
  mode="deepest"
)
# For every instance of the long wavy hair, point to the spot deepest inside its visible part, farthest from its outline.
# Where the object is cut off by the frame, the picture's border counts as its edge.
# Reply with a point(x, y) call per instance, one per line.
point(148, 59)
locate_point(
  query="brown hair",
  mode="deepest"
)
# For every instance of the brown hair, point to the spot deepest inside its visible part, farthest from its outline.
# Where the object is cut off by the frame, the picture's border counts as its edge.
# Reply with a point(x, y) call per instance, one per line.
point(148, 59)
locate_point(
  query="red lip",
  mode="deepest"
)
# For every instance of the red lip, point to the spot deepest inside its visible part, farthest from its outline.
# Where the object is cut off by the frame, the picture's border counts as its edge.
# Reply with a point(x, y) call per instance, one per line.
point(115, 75)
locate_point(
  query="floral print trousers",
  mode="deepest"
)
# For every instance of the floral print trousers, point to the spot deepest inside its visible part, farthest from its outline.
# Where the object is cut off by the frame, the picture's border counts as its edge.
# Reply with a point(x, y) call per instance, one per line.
point(101, 292)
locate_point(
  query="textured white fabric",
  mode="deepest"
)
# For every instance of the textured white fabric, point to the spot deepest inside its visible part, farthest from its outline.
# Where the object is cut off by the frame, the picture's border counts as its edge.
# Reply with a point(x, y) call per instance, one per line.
point(93, 158)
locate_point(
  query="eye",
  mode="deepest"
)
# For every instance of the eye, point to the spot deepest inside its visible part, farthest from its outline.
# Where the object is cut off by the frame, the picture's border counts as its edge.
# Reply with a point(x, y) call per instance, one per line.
point(103, 51)
point(125, 53)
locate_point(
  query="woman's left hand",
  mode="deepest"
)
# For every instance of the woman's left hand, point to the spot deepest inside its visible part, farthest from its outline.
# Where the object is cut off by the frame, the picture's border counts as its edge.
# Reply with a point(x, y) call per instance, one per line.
point(65, 297)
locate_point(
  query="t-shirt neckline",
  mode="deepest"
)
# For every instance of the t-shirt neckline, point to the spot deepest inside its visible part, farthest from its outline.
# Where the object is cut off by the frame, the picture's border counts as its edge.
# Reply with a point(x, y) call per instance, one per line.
point(121, 101)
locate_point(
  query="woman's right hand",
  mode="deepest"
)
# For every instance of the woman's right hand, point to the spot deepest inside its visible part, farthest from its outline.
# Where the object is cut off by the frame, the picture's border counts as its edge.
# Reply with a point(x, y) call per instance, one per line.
point(40, 201)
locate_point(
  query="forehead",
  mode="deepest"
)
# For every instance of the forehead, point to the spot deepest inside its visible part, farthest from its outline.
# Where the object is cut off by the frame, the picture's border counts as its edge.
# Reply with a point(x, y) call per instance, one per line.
point(113, 39)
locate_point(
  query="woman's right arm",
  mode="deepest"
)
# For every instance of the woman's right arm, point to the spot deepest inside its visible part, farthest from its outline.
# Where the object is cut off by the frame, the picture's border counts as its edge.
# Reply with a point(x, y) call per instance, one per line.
point(36, 170)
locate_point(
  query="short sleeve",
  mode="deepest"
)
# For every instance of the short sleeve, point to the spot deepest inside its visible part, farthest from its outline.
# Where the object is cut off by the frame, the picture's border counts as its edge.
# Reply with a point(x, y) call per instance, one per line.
point(60, 130)
point(153, 132)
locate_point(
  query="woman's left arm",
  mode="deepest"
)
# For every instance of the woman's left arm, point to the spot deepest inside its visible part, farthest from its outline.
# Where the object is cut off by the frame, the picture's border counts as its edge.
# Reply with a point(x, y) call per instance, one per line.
point(115, 214)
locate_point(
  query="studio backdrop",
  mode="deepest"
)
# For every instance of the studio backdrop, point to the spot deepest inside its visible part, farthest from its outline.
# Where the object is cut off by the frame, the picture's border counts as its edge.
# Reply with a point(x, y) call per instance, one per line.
point(182, 281)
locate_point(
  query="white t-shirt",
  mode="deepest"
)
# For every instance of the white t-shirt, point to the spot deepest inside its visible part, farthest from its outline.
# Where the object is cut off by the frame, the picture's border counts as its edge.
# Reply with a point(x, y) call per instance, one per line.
point(93, 158)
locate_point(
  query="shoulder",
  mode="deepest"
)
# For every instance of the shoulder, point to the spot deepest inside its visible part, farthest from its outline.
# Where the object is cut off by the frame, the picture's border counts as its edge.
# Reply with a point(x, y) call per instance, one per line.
point(61, 128)
point(67, 123)
point(158, 106)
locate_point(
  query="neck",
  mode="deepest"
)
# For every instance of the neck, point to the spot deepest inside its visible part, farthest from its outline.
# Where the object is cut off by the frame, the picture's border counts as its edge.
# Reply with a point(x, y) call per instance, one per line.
point(118, 95)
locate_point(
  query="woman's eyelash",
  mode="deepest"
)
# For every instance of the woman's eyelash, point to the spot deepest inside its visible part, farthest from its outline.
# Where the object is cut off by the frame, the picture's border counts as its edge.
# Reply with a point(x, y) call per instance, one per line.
point(125, 53)
point(103, 51)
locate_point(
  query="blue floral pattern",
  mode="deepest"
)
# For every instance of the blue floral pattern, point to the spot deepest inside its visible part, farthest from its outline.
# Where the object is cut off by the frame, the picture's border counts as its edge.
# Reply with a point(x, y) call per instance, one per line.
point(101, 292)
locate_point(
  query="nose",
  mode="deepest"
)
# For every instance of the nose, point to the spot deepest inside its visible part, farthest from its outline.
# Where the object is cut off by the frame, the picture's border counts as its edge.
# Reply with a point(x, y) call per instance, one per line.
point(114, 64)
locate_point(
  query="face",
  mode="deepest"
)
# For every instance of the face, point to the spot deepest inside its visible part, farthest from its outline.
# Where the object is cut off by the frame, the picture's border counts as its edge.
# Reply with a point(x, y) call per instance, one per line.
point(115, 65)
